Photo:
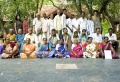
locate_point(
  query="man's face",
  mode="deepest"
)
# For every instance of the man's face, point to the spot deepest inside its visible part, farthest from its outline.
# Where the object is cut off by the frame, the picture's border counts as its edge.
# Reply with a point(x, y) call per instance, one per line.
point(110, 31)
point(58, 12)
point(83, 15)
point(44, 15)
point(83, 32)
point(30, 31)
point(65, 30)
point(98, 31)
point(38, 16)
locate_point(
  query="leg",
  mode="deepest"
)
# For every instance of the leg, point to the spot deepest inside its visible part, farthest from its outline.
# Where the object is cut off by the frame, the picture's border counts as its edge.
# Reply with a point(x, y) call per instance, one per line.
point(115, 46)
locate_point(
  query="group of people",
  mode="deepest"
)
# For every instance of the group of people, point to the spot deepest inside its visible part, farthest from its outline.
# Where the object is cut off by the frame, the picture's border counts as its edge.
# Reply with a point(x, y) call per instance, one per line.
point(61, 37)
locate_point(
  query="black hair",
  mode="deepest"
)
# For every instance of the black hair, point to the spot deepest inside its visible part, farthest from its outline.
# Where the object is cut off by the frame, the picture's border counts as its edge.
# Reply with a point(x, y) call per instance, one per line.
point(16, 17)
point(64, 10)
point(89, 38)
point(105, 37)
point(82, 12)
point(76, 32)
point(110, 29)
point(97, 28)
point(83, 30)
point(44, 38)
point(64, 29)
point(53, 30)
point(96, 11)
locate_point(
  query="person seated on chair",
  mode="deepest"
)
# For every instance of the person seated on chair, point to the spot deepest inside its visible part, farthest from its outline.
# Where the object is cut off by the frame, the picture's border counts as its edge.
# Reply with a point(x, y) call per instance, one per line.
point(45, 50)
point(10, 49)
point(106, 45)
point(113, 39)
point(28, 50)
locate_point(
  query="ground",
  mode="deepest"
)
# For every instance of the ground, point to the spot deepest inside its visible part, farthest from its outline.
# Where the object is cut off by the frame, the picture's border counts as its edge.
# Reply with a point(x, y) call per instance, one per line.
point(45, 70)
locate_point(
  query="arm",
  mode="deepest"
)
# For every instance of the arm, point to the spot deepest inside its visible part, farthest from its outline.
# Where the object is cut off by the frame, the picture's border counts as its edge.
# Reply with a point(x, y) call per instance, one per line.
point(15, 27)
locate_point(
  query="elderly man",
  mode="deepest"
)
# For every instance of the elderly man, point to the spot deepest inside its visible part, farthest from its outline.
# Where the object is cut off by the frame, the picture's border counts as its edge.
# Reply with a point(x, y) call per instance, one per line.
point(45, 27)
point(30, 35)
point(36, 23)
point(57, 23)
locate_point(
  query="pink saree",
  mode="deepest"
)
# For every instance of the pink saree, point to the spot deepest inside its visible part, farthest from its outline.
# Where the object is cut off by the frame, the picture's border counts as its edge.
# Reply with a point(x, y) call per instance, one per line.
point(76, 51)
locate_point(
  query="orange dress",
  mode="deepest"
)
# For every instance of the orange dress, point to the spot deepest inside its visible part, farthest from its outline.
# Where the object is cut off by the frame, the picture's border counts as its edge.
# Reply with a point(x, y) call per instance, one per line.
point(28, 49)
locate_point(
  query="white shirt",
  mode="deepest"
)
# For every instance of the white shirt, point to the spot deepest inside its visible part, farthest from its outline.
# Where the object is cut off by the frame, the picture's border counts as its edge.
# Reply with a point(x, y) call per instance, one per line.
point(75, 23)
point(97, 38)
point(37, 23)
point(39, 38)
point(83, 23)
point(58, 45)
point(69, 23)
point(57, 22)
point(32, 37)
point(113, 37)
point(51, 24)
point(90, 26)
point(63, 20)
point(44, 24)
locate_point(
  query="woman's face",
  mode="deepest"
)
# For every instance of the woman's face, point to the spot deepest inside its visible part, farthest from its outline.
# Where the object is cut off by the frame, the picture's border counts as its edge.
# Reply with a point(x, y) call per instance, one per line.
point(61, 41)
point(11, 31)
point(101, 15)
point(75, 41)
point(65, 31)
point(44, 40)
point(106, 39)
point(28, 41)
point(95, 13)
point(7, 40)
point(90, 40)
point(18, 17)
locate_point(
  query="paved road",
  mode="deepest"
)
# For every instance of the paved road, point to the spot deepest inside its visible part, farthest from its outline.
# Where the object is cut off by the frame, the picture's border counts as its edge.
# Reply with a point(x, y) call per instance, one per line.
point(44, 70)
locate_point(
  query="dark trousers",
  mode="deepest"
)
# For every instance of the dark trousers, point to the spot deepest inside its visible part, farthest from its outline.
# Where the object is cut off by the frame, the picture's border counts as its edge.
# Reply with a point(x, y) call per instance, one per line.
point(115, 46)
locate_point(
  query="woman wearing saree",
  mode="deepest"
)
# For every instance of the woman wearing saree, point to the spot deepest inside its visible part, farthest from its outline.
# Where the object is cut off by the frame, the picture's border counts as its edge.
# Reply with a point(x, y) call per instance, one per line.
point(61, 50)
point(90, 50)
point(67, 39)
point(76, 50)
point(106, 45)
point(10, 49)
point(53, 40)
point(28, 50)
point(44, 50)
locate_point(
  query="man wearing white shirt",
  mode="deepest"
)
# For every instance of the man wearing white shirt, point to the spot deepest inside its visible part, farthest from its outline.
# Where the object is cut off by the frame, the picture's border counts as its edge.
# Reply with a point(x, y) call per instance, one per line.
point(51, 23)
point(69, 25)
point(75, 23)
point(57, 23)
point(45, 27)
point(63, 18)
point(113, 39)
point(97, 37)
point(90, 25)
point(36, 23)
point(82, 22)
point(30, 35)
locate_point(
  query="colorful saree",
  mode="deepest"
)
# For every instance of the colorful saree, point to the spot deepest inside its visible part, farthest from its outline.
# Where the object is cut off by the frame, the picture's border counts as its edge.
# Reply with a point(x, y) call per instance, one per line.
point(76, 52)
point(90, 48)
point(44, 49)
point(62, 50)
point(27, 49)
point(10, 48)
